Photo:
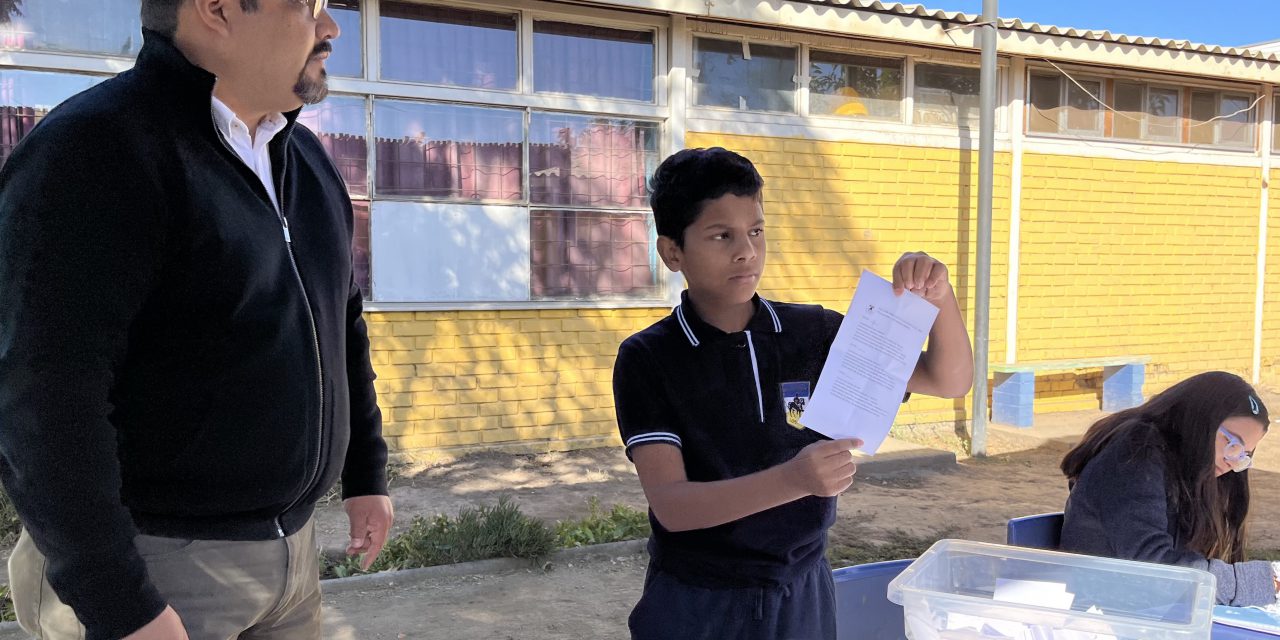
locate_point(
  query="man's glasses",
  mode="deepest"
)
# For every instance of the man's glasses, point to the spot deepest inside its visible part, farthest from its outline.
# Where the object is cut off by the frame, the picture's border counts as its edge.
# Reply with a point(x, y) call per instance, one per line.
point(1235, 453)
point(317, 7)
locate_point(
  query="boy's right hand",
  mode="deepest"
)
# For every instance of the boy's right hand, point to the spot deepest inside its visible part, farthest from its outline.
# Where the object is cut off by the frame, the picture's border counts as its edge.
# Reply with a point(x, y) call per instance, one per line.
point(824, 468)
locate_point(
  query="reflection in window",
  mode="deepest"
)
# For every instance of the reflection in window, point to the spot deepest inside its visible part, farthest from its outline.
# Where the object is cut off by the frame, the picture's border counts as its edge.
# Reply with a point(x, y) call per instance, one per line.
point(1222, 119)
point(361, 252)
point(946, 95)
point(854, 86)
point(584, 254)
point(455, 47)
point(339, 122)
point(347, 58)
point(593, 61)
point(745, 76)
point(1046, 104)
point(25, 98)
point(448, 152)
point(109, 27)
point(1275, 123)
point(586, 161)
point(1141, 111)
point(1164, 113)
point(1084, 112)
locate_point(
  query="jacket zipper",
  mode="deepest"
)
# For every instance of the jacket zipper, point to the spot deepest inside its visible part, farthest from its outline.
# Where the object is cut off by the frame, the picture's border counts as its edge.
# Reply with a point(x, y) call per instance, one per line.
point(755, 371)
point(315, 336)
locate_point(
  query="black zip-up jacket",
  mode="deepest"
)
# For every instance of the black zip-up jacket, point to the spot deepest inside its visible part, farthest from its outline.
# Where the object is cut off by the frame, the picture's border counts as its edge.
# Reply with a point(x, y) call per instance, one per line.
point(177, 357)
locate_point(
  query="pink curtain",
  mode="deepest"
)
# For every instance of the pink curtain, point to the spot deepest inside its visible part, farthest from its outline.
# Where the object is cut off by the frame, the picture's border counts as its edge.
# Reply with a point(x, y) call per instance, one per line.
point(581, 254)
point(351, 155)
point(447, 169)
point(15, 124)
point(603, 167)
point(361, 255)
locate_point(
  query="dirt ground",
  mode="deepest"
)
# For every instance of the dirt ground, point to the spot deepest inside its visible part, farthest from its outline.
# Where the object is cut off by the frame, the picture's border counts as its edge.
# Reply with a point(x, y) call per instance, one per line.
point(591, 599)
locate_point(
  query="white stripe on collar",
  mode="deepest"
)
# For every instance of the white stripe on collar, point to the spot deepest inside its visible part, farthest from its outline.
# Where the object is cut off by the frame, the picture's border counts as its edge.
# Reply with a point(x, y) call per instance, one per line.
point(777, 324)
point(684, 324)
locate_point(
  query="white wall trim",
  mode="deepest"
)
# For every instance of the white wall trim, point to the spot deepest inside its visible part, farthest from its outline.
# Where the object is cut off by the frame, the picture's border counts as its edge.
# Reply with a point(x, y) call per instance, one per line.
point(731, 122)
point(55, 62)
point(371, 306)
point(480, 97)
point(679, 88)
point(1115, 150)
point(1016, 111)
point(1267, 110)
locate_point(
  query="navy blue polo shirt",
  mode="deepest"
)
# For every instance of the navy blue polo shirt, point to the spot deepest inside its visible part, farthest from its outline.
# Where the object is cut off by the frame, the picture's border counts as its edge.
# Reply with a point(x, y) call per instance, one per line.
point(725, 399)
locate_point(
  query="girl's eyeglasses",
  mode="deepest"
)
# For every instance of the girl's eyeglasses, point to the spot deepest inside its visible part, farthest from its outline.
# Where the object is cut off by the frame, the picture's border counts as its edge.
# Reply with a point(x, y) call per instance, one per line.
point(1234, 453)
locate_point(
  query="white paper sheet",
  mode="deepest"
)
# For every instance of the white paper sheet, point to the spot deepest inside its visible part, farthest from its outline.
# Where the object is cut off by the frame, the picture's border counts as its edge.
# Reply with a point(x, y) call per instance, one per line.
point(1043, 594)
point(873, 356)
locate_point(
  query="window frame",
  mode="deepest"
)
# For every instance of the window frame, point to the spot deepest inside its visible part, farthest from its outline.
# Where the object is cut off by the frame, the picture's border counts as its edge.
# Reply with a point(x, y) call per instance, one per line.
point(1148, 81)
point(838, 127)
point(526, 100)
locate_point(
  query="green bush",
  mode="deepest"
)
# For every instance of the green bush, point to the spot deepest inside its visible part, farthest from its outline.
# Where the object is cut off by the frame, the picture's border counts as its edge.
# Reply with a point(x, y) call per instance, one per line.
point(500, 531)
point(7, 613)
point(620, 523)
point(10, 527)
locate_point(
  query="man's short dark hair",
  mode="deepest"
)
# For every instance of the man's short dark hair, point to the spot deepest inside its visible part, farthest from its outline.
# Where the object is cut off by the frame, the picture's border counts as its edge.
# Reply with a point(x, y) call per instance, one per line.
point(684, 183)
point(161, 16)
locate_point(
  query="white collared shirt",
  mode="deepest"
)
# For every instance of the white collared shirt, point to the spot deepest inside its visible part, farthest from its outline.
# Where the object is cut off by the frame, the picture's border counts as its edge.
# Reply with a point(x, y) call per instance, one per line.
point(251, 149)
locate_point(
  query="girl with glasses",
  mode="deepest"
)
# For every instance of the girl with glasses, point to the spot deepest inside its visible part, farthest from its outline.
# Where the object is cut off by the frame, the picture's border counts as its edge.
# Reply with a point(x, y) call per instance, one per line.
point(1168, 482)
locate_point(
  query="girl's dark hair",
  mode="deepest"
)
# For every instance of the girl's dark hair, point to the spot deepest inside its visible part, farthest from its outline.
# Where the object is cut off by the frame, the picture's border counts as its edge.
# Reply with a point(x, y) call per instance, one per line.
point(684, 182)
point(1210, 510)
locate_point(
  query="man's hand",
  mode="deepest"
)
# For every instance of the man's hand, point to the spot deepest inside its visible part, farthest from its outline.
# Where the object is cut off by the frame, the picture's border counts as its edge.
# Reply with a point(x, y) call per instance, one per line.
point(166, 626)
point(371, 518)
point(922, 275)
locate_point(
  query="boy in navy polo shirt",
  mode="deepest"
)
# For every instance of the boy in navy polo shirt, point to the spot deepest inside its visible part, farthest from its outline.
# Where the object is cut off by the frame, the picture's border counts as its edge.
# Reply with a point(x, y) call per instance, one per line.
point(740, 496)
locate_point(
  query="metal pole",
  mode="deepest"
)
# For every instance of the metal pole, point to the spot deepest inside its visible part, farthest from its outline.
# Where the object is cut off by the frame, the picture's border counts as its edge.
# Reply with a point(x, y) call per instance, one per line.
point(986, 163)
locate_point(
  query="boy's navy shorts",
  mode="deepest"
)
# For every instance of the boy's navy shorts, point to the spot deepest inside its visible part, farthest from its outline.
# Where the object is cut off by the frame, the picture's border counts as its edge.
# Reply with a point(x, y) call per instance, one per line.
point(670, 609)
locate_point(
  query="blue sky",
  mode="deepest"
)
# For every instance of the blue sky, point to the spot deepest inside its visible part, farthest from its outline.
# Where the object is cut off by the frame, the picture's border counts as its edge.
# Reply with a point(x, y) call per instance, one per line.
point(1234, 23)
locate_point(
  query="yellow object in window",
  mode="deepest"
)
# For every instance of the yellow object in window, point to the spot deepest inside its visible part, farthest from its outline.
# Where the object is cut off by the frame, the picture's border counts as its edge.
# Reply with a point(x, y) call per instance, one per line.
point(853, 106)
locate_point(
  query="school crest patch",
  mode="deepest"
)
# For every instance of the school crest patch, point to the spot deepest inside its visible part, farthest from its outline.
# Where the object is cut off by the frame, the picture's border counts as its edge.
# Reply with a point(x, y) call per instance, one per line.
point(795, 395)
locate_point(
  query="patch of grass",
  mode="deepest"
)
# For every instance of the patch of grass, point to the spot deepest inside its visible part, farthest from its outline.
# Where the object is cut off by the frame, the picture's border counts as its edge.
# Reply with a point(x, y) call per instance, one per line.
point(10, 526)
point(395, 470)
point(1272, 555)
point(619, 523)
point(7, 613)
point(892, 545)
point(495, 531)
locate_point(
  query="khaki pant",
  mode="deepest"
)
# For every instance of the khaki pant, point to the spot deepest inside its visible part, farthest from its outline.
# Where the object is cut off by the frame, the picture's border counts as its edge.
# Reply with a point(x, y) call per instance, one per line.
point(222, 590)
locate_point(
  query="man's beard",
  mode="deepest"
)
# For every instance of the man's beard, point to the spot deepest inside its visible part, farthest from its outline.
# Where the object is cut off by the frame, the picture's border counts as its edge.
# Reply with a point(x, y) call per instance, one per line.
point(312, 91)
point(309, 90)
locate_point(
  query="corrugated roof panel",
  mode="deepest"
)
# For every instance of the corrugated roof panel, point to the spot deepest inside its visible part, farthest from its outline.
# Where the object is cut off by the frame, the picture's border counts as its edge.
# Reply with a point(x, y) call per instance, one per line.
point(920, 11)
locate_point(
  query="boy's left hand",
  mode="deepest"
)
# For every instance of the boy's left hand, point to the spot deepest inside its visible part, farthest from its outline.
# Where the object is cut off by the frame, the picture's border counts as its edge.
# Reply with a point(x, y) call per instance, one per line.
point(922, 275)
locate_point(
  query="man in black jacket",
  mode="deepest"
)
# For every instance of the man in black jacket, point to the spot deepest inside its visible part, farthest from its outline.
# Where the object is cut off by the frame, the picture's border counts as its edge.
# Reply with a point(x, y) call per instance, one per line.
point(184, 369)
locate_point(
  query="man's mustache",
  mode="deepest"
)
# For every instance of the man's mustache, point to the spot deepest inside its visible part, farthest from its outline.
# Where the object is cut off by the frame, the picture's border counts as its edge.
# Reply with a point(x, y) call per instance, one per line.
point(323, 47)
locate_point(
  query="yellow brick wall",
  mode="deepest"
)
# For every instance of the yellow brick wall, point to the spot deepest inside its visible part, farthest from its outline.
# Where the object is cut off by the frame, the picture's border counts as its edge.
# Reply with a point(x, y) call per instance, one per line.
point(539, 380)
point(1271, 290)
point(835, 208)
point(1135, 257)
